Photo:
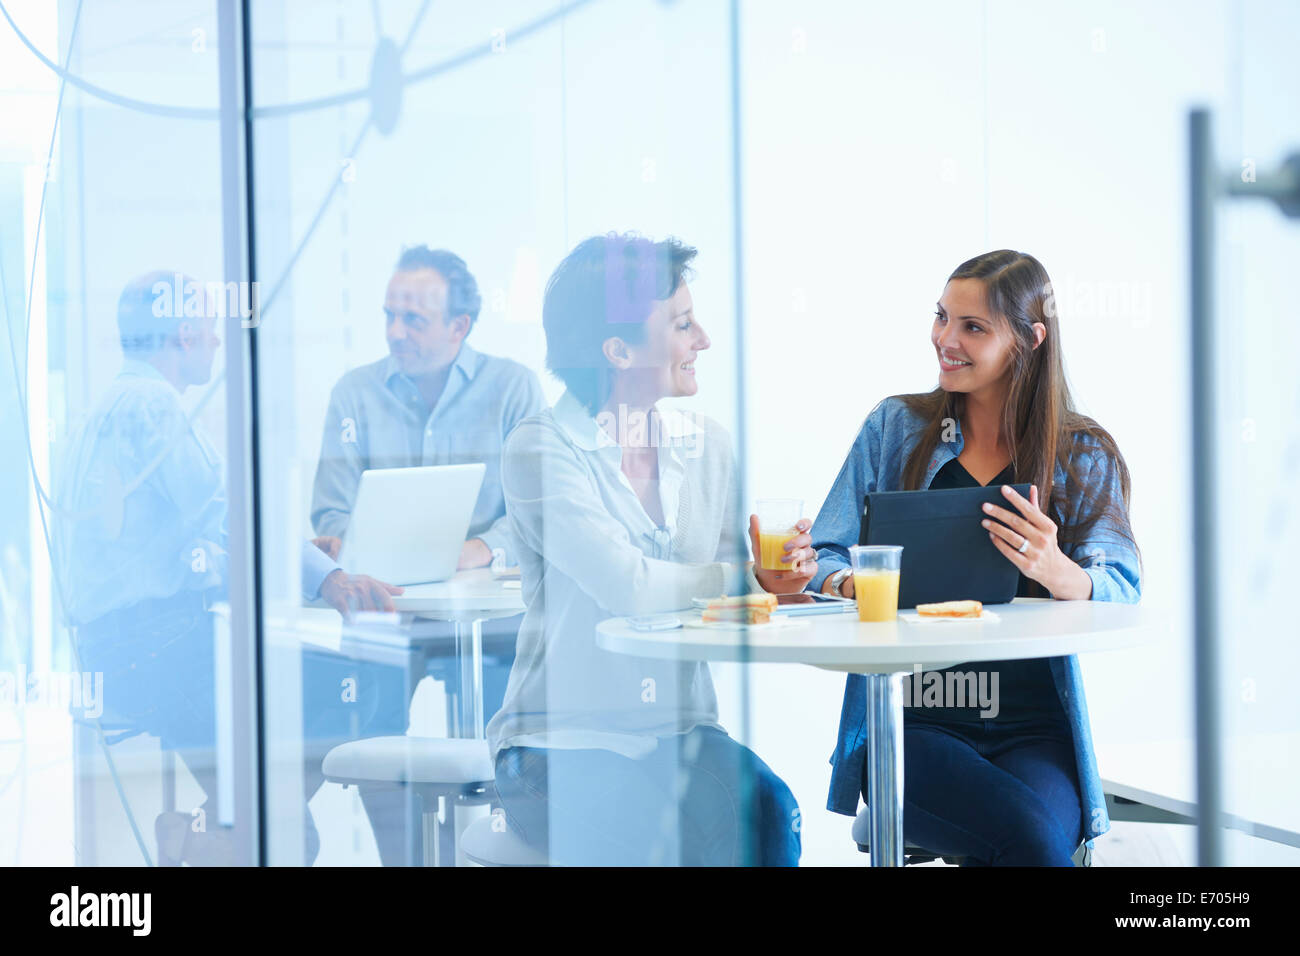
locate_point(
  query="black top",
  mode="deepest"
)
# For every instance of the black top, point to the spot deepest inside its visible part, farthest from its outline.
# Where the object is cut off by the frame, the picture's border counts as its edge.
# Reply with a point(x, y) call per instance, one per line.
point(1025, 689)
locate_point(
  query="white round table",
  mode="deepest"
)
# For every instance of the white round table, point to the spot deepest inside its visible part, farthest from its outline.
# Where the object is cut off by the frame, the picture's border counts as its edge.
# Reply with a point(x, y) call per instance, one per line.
point(468, 598)
point(1026, 628)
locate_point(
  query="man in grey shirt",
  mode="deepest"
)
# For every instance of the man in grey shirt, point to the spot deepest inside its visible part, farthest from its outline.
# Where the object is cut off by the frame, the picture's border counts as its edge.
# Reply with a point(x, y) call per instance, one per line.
point(432, 400)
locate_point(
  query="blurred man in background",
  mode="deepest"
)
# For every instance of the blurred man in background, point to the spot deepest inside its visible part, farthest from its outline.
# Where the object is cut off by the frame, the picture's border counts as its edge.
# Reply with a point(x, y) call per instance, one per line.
point(433, 400)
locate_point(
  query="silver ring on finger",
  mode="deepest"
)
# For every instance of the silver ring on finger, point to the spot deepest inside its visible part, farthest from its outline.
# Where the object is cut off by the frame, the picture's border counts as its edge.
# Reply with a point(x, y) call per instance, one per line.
point(1024, 546)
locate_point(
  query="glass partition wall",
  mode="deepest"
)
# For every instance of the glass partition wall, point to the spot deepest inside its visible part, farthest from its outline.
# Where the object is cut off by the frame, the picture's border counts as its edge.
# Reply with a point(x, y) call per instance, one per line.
point(114, 532)
point(267, 265)
point(311, 306)
point(1256, 240)
point(455, 207)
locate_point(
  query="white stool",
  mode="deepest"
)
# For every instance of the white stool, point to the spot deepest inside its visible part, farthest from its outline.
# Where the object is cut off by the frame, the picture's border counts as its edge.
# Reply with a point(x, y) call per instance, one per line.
point(911, 854)
point(488, 842)
point(434, 767)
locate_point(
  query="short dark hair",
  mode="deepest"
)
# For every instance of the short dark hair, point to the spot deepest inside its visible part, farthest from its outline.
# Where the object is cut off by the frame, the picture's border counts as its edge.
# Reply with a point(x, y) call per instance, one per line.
point(462, 291)
point(143, 327)
point(607, 286)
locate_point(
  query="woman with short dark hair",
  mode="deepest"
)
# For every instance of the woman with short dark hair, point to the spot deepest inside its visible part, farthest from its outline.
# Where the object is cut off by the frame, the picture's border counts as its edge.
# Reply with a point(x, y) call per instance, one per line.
point(622, 508)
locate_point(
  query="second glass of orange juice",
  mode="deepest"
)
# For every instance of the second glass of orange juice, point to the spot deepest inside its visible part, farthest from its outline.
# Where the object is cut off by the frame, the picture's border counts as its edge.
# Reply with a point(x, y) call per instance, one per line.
point(776, 520)
point(875, 580)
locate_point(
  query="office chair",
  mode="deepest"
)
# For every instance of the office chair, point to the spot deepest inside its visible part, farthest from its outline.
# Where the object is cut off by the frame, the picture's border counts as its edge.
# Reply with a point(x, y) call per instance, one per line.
point(456, 771)
point(914, 854)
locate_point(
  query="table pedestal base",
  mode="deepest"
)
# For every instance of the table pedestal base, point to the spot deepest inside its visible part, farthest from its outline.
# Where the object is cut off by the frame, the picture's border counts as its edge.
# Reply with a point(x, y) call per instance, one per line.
point(885, 767)
point(469, 655)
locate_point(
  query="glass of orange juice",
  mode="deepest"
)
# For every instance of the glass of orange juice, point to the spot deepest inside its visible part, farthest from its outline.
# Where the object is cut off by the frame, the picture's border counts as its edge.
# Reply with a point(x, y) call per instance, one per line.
point(776, 520)
point(875, 580)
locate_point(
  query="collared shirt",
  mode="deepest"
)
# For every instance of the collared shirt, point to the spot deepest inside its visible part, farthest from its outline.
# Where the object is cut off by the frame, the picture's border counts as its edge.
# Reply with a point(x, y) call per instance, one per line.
point(589, 551)
point(377, 419)
point(875, 463)
point(141, 504)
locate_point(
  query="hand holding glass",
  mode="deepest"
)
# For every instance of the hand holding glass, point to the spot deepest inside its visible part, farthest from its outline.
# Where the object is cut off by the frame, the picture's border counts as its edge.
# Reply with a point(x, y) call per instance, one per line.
point(776, 525)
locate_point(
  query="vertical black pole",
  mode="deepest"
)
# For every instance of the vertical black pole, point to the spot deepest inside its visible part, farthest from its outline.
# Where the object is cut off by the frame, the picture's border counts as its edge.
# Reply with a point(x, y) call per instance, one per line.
point(245, 664)
point(1205, 544)
point(749, 795)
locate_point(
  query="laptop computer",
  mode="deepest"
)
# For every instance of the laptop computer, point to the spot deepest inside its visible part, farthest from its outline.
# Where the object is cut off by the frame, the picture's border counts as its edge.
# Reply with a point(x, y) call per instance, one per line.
point(947, 554)
point(408, 524)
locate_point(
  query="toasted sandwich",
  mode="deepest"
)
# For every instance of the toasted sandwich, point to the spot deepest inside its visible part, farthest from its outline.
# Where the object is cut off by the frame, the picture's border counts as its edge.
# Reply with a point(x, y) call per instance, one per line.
point(951, 609)
point(744, 608)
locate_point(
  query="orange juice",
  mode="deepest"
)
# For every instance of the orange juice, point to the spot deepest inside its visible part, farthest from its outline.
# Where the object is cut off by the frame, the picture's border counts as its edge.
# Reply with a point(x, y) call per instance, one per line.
point(877, 594)
point(771, 545)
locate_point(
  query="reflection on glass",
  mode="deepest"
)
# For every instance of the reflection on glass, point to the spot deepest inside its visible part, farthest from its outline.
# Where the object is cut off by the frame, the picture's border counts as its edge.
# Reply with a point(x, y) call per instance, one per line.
point(140, 542)
point(141, 546)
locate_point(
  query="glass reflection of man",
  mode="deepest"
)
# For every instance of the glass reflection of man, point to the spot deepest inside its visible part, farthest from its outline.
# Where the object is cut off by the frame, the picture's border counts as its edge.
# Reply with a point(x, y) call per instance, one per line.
point(433, 400)
point(140, 537)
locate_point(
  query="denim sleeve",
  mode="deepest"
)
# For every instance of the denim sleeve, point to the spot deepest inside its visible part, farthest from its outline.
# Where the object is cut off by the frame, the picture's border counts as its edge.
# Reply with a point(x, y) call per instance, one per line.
point(1109, 556)
point(840, 518)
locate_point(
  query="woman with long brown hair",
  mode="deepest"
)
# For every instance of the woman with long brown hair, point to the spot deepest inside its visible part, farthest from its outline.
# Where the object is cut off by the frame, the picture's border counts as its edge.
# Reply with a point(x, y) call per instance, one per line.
point(1021, 787)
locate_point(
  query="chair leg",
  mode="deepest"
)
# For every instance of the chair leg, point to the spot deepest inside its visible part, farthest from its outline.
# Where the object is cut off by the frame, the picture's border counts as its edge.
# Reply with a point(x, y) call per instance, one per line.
point(121, 794)
point(450, 831)
point(432, 831)
point(169, 780)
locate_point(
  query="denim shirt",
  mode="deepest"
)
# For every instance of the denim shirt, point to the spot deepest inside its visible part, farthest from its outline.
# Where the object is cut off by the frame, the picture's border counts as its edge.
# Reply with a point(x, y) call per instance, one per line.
point(875, 463)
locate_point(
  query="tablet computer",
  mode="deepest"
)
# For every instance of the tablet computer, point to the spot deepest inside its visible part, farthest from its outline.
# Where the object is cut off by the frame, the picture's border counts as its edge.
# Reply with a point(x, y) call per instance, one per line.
point(810, 602)
point(947, 554)
point(801, 603)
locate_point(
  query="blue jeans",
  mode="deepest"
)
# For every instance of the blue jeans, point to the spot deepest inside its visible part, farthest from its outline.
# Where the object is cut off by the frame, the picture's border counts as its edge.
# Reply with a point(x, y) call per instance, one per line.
point(681, 805)
point(156, 657)
point(996, 793)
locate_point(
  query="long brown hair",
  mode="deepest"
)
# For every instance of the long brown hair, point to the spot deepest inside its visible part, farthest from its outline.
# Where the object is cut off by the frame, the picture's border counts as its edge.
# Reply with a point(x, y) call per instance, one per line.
point(1039, 422)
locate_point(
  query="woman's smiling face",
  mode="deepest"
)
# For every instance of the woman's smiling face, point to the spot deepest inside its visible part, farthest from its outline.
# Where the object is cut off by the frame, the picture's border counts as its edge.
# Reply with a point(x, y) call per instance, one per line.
point(663, 366)
point(973, 347)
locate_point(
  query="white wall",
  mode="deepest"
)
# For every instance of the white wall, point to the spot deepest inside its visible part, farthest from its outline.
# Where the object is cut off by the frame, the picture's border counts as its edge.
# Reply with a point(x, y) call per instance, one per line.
point(887, 144)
